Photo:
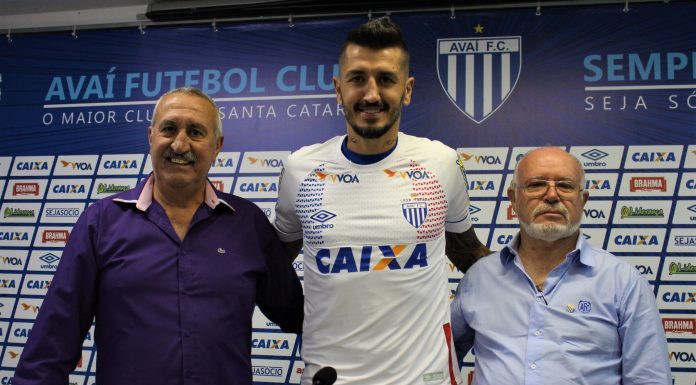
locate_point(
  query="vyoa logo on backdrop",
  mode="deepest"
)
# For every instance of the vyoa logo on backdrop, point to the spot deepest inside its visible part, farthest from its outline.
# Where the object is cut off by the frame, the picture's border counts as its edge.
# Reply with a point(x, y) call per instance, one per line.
point(478, 74)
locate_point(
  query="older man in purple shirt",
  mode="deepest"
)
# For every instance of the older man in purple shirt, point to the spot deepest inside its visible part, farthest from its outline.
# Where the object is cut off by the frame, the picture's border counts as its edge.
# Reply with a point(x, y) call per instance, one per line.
point(171, 270)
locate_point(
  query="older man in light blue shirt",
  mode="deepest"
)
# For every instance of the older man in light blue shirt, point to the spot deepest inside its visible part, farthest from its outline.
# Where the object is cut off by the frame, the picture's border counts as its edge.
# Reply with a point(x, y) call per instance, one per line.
point(550, 308)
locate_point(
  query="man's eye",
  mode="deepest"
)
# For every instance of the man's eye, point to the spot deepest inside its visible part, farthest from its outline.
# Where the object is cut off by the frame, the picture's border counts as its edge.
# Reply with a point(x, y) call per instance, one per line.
point(565, 186)
point(536, 185)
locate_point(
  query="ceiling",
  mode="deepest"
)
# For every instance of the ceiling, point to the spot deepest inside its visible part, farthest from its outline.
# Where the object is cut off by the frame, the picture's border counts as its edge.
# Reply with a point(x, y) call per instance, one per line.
point(20, 16)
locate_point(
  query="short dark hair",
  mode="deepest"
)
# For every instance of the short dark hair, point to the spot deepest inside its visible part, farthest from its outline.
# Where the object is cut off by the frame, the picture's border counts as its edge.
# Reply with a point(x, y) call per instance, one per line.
point(377, 34)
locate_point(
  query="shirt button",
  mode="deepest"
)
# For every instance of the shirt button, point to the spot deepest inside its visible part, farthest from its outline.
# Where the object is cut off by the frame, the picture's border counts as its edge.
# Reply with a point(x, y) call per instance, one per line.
point(533, 365)
point(537, 332)
point(538, 299)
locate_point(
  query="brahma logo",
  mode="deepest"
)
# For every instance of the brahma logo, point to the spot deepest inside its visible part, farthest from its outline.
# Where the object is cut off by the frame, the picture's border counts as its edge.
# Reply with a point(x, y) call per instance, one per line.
point(479, 74)
point(510, 212)
point(679, 325)
point(337, 178)
point(28, 188)
point(646, 183)
point(271, 163)
point(411, 174)
point(55, 236)
point(371, 258)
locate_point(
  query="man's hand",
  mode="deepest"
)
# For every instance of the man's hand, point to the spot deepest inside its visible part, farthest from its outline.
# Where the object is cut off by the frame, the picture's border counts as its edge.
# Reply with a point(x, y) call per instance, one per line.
point(463, 249)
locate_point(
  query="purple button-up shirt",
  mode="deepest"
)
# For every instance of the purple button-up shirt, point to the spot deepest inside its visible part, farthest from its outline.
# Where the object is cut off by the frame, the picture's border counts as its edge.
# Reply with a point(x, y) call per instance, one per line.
point(167, 311)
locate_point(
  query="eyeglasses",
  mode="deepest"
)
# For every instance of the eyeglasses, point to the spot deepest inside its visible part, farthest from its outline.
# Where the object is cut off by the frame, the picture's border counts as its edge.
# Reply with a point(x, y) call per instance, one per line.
point(536, 188)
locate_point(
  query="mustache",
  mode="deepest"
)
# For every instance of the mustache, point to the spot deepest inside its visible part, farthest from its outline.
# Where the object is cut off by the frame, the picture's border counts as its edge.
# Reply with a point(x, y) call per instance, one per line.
point(188, 156)
point(544, 208)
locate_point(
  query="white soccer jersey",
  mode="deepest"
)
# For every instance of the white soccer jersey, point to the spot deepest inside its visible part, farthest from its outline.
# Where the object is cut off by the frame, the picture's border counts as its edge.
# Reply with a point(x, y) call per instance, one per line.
point(376, 297)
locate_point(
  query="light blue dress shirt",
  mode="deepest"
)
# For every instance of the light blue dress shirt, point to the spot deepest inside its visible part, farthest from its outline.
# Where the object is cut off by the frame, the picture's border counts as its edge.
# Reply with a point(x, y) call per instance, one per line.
point(596, 322)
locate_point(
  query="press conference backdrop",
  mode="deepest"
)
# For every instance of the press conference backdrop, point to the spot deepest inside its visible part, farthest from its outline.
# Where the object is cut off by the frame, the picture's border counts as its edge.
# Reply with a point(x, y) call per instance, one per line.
point(617, 89)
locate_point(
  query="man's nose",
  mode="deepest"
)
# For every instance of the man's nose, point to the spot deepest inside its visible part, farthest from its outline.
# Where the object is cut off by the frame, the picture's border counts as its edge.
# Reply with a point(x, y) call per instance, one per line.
point(181, 143)
point(371, 91)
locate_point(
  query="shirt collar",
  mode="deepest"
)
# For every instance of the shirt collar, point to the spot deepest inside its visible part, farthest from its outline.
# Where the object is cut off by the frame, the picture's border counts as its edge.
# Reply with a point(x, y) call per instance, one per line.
point(144, 198)
point(582, 247)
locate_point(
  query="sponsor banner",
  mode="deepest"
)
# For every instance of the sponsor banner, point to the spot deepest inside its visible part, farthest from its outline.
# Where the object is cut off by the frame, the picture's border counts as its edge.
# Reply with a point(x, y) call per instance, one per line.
point(268, 208)
point(263, 162)
point(687, 187)
point(257, 187)
point(601, 184)
point(272, 344)
point(484, 185)
point(296, 371)
point(683, 378)
point(265, 370)
point(28, 308)
point(5, 162)
point(26, 189)
point(681, 355)
point(89, 338)
point(69, 188)
point(19, 332)
point(647, 184)
point(648, 212)
point(646, 266)
point(15, 212)
point(682, 326)
point(73, 165)
point(13, 259)
point(689, 162)
point(11, 356)
point(260, 321)
point(453, 273)
point(52, 236)
point(506, 214)
point(147, 168)
point(44, 260)
point(32, 166)
point(483, 158)
point(482, 234)
point(9, 283)
point(598, 157)
point(222, 183)
point(6, 306)
point(643, 240)
point(36, 284)
point(4, 330)
point(685, 213)
point(676, 297)
point(653, 156)
point(120, 164)
point(679, 269)
point(501, 237)
point(298, 265)
point(104, 187)
point(682, 241)
point(481, 211)
point(595, 236)
point(16, 236)
point(596, 212)
point(65, 212)
point(225, 163)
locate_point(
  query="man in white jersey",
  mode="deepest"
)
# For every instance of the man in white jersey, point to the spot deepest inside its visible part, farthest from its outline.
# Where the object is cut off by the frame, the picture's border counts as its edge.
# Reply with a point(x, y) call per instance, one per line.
point(376, 210)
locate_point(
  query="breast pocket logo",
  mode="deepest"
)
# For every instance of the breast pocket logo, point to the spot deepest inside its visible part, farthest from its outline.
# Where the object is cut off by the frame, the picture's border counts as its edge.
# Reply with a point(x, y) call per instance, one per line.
point(479, 74)
point(415, 213)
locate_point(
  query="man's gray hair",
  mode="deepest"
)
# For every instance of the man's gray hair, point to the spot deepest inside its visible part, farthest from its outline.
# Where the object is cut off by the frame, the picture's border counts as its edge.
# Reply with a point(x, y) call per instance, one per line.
point(195, 92)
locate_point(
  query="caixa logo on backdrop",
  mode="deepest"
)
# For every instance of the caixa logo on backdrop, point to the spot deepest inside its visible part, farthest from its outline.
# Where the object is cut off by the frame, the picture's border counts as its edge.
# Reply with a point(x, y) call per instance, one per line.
point(479, 74)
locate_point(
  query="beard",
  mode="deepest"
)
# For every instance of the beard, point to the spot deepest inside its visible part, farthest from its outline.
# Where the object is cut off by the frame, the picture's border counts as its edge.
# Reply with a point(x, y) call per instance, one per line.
point(374, 132)
point(550, 232)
